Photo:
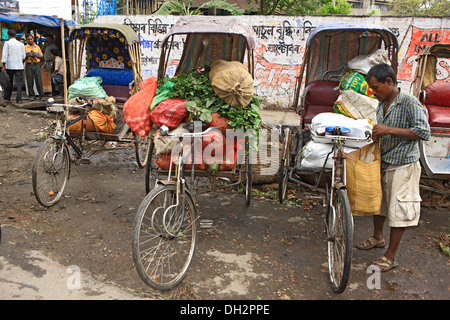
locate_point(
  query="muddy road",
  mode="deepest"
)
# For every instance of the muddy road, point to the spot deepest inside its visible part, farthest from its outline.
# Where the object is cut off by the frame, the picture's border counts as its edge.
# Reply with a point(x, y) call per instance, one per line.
point(266, 251)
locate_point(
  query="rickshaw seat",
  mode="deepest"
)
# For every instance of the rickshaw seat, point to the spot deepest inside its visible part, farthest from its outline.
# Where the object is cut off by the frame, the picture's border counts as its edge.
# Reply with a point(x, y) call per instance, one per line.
point(436, 98)
point(121, 93)
point(319, 97)
point(438, 116)
point(115, 82)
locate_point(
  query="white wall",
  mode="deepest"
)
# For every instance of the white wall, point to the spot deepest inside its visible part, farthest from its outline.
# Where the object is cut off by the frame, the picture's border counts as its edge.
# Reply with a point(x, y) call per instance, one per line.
point(280, 44)
point(60, 8)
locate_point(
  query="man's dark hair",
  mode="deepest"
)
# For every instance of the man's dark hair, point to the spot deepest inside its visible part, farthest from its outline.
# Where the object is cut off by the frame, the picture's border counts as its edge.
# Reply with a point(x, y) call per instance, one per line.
point(28, 35)
point(54, 52)
point(12, 33)
point(381, 72)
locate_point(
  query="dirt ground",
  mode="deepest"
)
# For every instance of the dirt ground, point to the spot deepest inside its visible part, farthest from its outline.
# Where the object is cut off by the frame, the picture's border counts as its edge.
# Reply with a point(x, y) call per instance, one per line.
point(266, 251)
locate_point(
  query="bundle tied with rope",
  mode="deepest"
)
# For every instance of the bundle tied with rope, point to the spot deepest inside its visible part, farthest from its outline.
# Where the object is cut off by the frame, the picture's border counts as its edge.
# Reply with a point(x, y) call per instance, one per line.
point(232, 83)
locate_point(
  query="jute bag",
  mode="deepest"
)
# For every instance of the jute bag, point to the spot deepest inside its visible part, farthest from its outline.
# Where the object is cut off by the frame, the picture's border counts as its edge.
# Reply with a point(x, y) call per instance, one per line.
point(232, 83)
point(363, 173)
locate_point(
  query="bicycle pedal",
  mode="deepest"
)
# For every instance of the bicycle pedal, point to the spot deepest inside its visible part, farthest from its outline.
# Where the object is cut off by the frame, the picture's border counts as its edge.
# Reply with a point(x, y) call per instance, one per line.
point(206, 223)
point(85, 160)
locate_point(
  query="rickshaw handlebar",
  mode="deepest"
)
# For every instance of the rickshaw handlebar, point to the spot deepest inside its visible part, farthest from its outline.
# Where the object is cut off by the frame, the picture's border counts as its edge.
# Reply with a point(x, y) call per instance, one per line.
point(59, 107)
point(164, 131)
point(368, 135)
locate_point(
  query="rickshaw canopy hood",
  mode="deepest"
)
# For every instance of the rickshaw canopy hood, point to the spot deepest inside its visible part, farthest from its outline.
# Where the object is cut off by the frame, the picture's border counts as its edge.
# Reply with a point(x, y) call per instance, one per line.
point(330, 47)
point(216, 24)
point(346, 26)
point(425, 73)
point(442, 48)
point(130, 35)
point(117, 41)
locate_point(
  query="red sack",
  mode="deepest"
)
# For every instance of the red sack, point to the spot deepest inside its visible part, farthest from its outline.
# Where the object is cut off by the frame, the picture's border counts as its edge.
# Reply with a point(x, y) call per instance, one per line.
point(169, 113)
point(164, 161)
point(136, 109)
point(219, 122)
point(228, 162)
point(216, 142)
point(199, 162)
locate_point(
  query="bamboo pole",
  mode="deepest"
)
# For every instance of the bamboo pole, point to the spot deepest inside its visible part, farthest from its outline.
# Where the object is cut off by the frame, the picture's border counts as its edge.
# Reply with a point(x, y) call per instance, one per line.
point(63, 49)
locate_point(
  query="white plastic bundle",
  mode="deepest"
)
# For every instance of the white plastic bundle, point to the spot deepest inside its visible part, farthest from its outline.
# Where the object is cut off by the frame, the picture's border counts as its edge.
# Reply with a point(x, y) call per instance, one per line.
point(314, 154)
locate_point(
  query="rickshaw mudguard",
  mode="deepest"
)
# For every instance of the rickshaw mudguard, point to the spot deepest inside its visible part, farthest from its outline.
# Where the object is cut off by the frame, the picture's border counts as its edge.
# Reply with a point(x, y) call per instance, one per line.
point(167, 183)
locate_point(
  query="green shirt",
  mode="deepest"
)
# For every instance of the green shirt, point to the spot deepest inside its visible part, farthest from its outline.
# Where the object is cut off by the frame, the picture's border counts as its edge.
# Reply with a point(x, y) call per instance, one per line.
point(404, 112)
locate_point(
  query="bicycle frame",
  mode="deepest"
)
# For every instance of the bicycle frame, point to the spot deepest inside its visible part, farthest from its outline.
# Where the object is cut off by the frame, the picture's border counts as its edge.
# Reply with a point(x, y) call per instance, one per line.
point(61, 130)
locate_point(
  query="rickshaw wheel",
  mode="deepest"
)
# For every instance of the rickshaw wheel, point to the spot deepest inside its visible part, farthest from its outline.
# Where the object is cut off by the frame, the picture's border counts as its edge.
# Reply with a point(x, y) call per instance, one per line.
point(50, 171)
point(150, 169)
point(283, 171)
point(340, 239)
point(142, 146)
point(248, 180)
point(164, 237)
point(283, 178)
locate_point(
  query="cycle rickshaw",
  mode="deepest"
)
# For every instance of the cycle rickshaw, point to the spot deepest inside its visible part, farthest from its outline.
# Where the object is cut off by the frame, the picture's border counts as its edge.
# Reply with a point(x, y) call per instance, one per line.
point(165, 226)
point(329, 48)
point(112, 52)
point(434, 94)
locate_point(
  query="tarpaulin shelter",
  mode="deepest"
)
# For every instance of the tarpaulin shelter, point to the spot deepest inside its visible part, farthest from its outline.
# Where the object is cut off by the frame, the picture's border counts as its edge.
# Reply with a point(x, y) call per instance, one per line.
point(40, 25)
point(29, 22)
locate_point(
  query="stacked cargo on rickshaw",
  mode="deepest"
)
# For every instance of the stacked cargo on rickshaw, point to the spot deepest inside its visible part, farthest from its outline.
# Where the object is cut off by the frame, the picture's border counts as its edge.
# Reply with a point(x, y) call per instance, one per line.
point(337, 112)
point(210, 95)
point(213, 84)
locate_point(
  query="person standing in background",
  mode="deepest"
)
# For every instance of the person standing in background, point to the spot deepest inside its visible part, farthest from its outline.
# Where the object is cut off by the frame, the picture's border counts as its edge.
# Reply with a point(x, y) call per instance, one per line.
point(57, 72)
point(12, 59)
point(33, 67)
point(49, 46)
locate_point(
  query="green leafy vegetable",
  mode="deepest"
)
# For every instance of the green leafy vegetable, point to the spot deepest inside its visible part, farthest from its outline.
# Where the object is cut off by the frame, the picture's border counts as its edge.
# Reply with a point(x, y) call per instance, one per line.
point(195, 87)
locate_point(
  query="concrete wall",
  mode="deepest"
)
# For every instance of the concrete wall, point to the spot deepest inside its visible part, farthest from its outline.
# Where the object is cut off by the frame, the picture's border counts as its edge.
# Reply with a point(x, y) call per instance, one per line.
point(280, 45)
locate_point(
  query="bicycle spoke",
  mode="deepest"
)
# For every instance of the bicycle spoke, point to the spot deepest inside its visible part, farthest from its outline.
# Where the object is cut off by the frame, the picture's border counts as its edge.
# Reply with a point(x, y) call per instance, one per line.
point(50, 171)
point(340, 233)
point(165, 238)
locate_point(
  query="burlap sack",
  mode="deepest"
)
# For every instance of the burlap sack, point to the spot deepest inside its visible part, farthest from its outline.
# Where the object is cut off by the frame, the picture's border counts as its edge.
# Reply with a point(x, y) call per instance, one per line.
point(232, 83)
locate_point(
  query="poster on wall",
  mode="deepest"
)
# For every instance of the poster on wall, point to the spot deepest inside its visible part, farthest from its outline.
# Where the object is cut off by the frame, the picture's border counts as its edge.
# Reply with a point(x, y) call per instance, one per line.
point(420, 38)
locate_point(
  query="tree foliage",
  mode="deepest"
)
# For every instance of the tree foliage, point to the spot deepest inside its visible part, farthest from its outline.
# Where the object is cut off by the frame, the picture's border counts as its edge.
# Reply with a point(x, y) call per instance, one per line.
point(421, 7)
point(180, 8)
point(302, 7)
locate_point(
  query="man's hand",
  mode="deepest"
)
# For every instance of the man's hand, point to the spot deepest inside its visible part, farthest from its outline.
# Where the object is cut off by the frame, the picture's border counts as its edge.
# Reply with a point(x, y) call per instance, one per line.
point(379, 130)
point(382, 130)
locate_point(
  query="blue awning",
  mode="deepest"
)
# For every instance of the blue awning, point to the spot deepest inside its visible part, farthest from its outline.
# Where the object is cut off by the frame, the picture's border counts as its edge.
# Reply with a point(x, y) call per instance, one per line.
point(47, 21)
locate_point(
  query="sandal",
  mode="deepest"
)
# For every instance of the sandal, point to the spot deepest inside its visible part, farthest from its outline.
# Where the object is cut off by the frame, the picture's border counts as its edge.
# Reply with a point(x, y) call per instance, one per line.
point(385, 264)
point(371, 243)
